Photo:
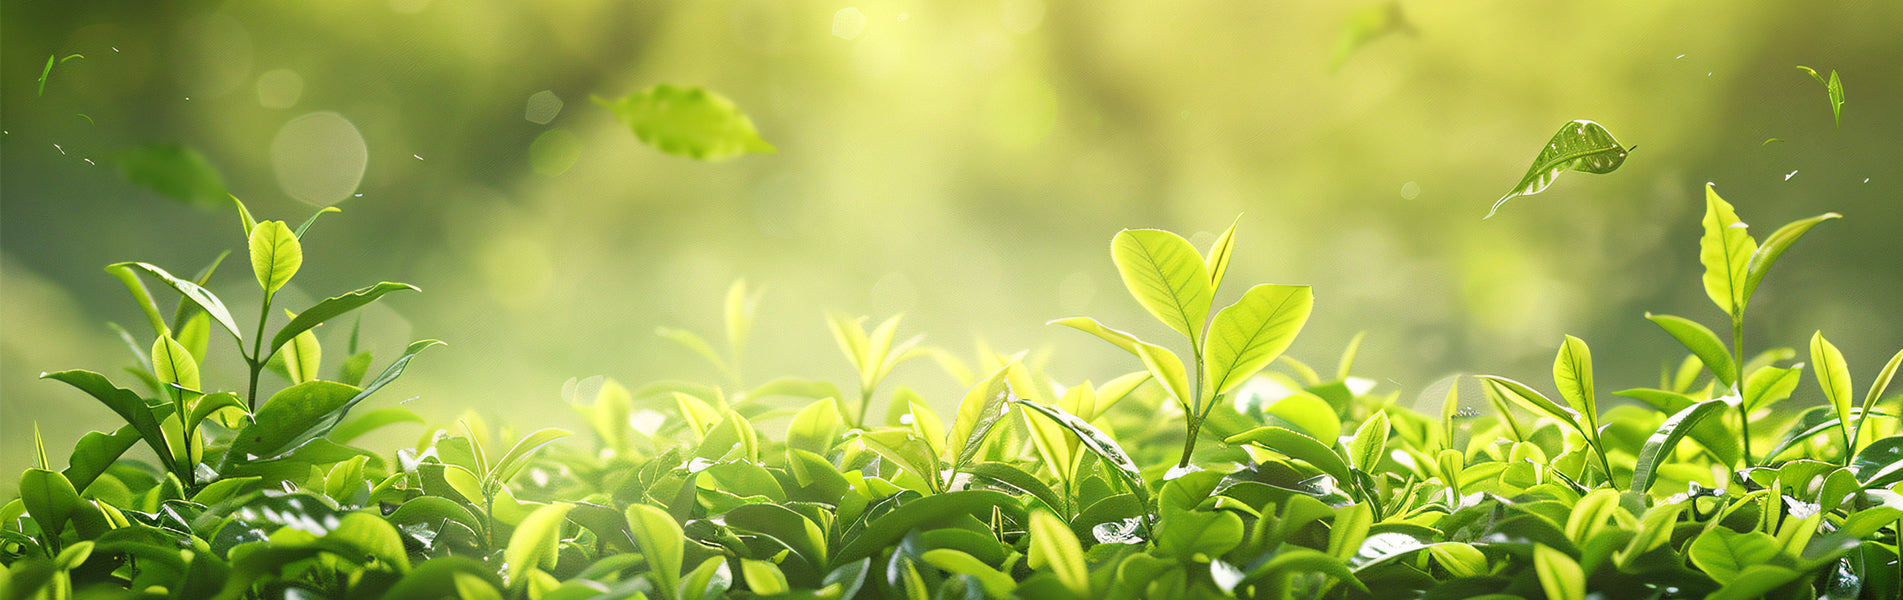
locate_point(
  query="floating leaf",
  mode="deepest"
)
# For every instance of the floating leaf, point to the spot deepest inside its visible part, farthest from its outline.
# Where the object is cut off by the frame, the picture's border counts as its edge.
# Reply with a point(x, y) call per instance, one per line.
point(1579, 145)
point(1368, 24)
point(1834, 86)
point(688, 121)
point(174, 171)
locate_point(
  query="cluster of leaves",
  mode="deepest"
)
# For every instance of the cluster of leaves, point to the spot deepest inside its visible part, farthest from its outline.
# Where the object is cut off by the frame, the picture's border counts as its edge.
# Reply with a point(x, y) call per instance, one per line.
point(1290, 484)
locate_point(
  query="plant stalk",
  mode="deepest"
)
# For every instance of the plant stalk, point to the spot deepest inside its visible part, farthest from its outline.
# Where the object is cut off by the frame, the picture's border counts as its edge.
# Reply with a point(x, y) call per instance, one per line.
point(256, 360)
point(1744, 414)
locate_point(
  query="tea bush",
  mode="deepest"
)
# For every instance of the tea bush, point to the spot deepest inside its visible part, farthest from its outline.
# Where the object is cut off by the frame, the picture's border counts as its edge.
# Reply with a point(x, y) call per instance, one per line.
point(1291, 482)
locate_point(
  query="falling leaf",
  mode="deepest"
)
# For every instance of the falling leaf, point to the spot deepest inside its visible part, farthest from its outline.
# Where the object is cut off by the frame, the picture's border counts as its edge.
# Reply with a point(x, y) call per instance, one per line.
point(174, 171)
point(48, 71)
point(1368, 24)
point(1580, 146)
point(1768, 141)
point(688, 121)
point(1835, 87)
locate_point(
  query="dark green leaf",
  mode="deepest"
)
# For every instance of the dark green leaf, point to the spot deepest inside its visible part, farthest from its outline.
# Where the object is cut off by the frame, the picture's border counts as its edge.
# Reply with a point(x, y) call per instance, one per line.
point(1579, 145)
point(128, 405)
point(1298, 446)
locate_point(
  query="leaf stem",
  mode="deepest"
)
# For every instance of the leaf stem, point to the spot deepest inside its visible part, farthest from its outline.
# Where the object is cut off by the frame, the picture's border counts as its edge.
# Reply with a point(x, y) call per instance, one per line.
point(256, 360)
point(1197, 412)
point(1744, 413)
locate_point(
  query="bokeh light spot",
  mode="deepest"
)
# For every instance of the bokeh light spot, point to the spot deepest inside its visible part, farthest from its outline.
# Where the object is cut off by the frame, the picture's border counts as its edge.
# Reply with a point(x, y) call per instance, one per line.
point(848, 23)
point(319, 158)
point(1410, 190)
point(543, 107)
point(280, 88)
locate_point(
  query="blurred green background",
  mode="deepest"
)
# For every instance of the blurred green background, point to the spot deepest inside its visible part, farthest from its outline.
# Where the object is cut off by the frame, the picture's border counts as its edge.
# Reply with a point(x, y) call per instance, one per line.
point(965, 163)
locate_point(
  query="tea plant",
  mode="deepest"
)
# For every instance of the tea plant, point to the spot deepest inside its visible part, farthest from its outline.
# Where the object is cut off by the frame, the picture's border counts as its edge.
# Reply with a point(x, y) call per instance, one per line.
point(1288, 483)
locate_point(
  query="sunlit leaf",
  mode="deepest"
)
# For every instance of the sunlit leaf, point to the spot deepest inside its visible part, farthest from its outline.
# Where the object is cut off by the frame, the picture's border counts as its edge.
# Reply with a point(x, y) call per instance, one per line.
point(1167, 276)
point(1580, 145)
point(1725, 250)
point(1248, 335)
point(688, 121)
point(275, 255)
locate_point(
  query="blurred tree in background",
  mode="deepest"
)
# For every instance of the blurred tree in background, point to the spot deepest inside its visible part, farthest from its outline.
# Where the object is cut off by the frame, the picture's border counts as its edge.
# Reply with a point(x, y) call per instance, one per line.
point(961, 162)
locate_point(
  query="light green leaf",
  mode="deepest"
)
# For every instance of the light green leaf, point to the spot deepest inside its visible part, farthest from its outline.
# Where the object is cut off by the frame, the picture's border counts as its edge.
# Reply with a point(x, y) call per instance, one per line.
point(50, 499)
point(1218, 257)
point(815, 427)
point(1833, 375)
point(331, 308)
point(1725, 250)
point(174, 171)
point(1298, 446)
point(982, 407)
point(141, 296)
point(1572, 373)
point(312, 220)
point(1198, 535)
point(195, 334)
point(1053, 546)
point(739, 315)
point(535, 542)
point(1168, 370)
point(518, 456)
point(1560, 576)
point(1877, 387)
point(1579, 145)
point(374, 537)
point(905, 449)
point(893, 526)
point(275, 255)
point(661, 542)
point(1248, 335)
point(1534, 401)
point(1658, 447)
point(1774, 247)
point(1116, 337)
point(1754, 581)
point(1460, 560)
point(1723, 553)
point(286, 420)
point(191, 291)
point(172, 364)
point(1590, 513)
point(1370, 443)
point(1167, 276)
point(1098, 442)
point(688, 121)
point(763, 577)
point(1835, 88)
point(302, 355)
point(1703, 343)
point(997, 584)
point(1769, 385)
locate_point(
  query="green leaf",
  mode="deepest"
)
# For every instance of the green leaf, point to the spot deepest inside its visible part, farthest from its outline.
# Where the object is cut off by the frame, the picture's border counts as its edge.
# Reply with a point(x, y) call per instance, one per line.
point(1097, 442)
point(790, 528)
point(275, 255)
point(905, 449)
point(140, 296)
point(997, 584)
point(372, 536)
point(244, 217)
point(1218, 257)
point(1370, 443)
point(195, 334)
point(1579, 145)
point(1167, 276)
point(1880, 463)
point(73, 556)
point(291, 417)
point(1658, 448)
point(1723, 553)
point(739, 316)
point(688, 121)
point(535, 543)
point(693, 342)
point(1754, 581)
point(312, 220)
point(322, 423)
point(524, 449)
point(1572, 373)
point(174, 171)
point(302, 355)
point(1023, 481)
point(95, 452)
point(1297, 446)
point(1365, 25)
point(206, 405)
point(1198, 535)
point(1774, 247)
point(1769, 385)
point(661, 542)
point(191, 291)
point(1053, 546)
point(815, 427)
point(172, 364)
point(1248, 335)
point(1534, 401)
point(763, 577)
point(125, 403)
point(983, 406)
point(1116, 337)
point(1834, 87)
point(1168, 370)
point(50, 499)
point(893, 526)
point(1833, 375)
point(1460, 560)
point(1704, 344)
point(1560, 576)
point(1725, 250)
point(330, 308)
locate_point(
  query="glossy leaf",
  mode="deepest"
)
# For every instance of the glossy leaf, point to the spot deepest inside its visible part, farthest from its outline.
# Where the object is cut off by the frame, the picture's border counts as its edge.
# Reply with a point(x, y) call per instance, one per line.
point(1248, 335)
point(997, 584)
point(1116, 337)
point(1658, 448)
point(1296, 445)
point(275, 255)
point(291, 417)
point(1167, 276)
point(982, 407)
point(1774, 247)
point(1532, 400)
point(1572, 373)
point(1370, 443)
point(330, 308)
point(1723, 553)
point(1703, 343)
point(661, 542)
point(1168, 370)
point(688, 121)
point(1098, 442)
point(1834, 89)
point(1833, 375)
point(1725, 250)
point(127, 404)
point(1053, 546)
point(205, 300)
point(815, 427)
point(1579, 145)
point(893, 526)
point(1769, 385)
point(535, 542)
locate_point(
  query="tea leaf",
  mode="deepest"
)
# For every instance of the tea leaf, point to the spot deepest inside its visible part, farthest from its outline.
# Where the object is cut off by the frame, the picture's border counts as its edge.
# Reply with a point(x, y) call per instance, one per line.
point(518, 455)
point(331, 308)
point(1559, 575)
point(688, 121)
point(1579, 145)
point(1658, 448)
point(1298, 446)
point(1833, 375)
point(535, 542)
point(1167, 276)
point(275, 255)
point(661, 542)
point(1218, 257)
point(127, 405)
point(1116, 337)
point(815, 427)
point(1834, 87)
point(941, 508)
point(1053, 546)
point(1248, 335)
point(191, 291)
point(1774, 247)
point(1572, 373)
point(1370, 443)
point(1723, 553)
point(983, 406)
point(1703, 343)
point(302, 355)
point(1726, 251)
point(1098, 442)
